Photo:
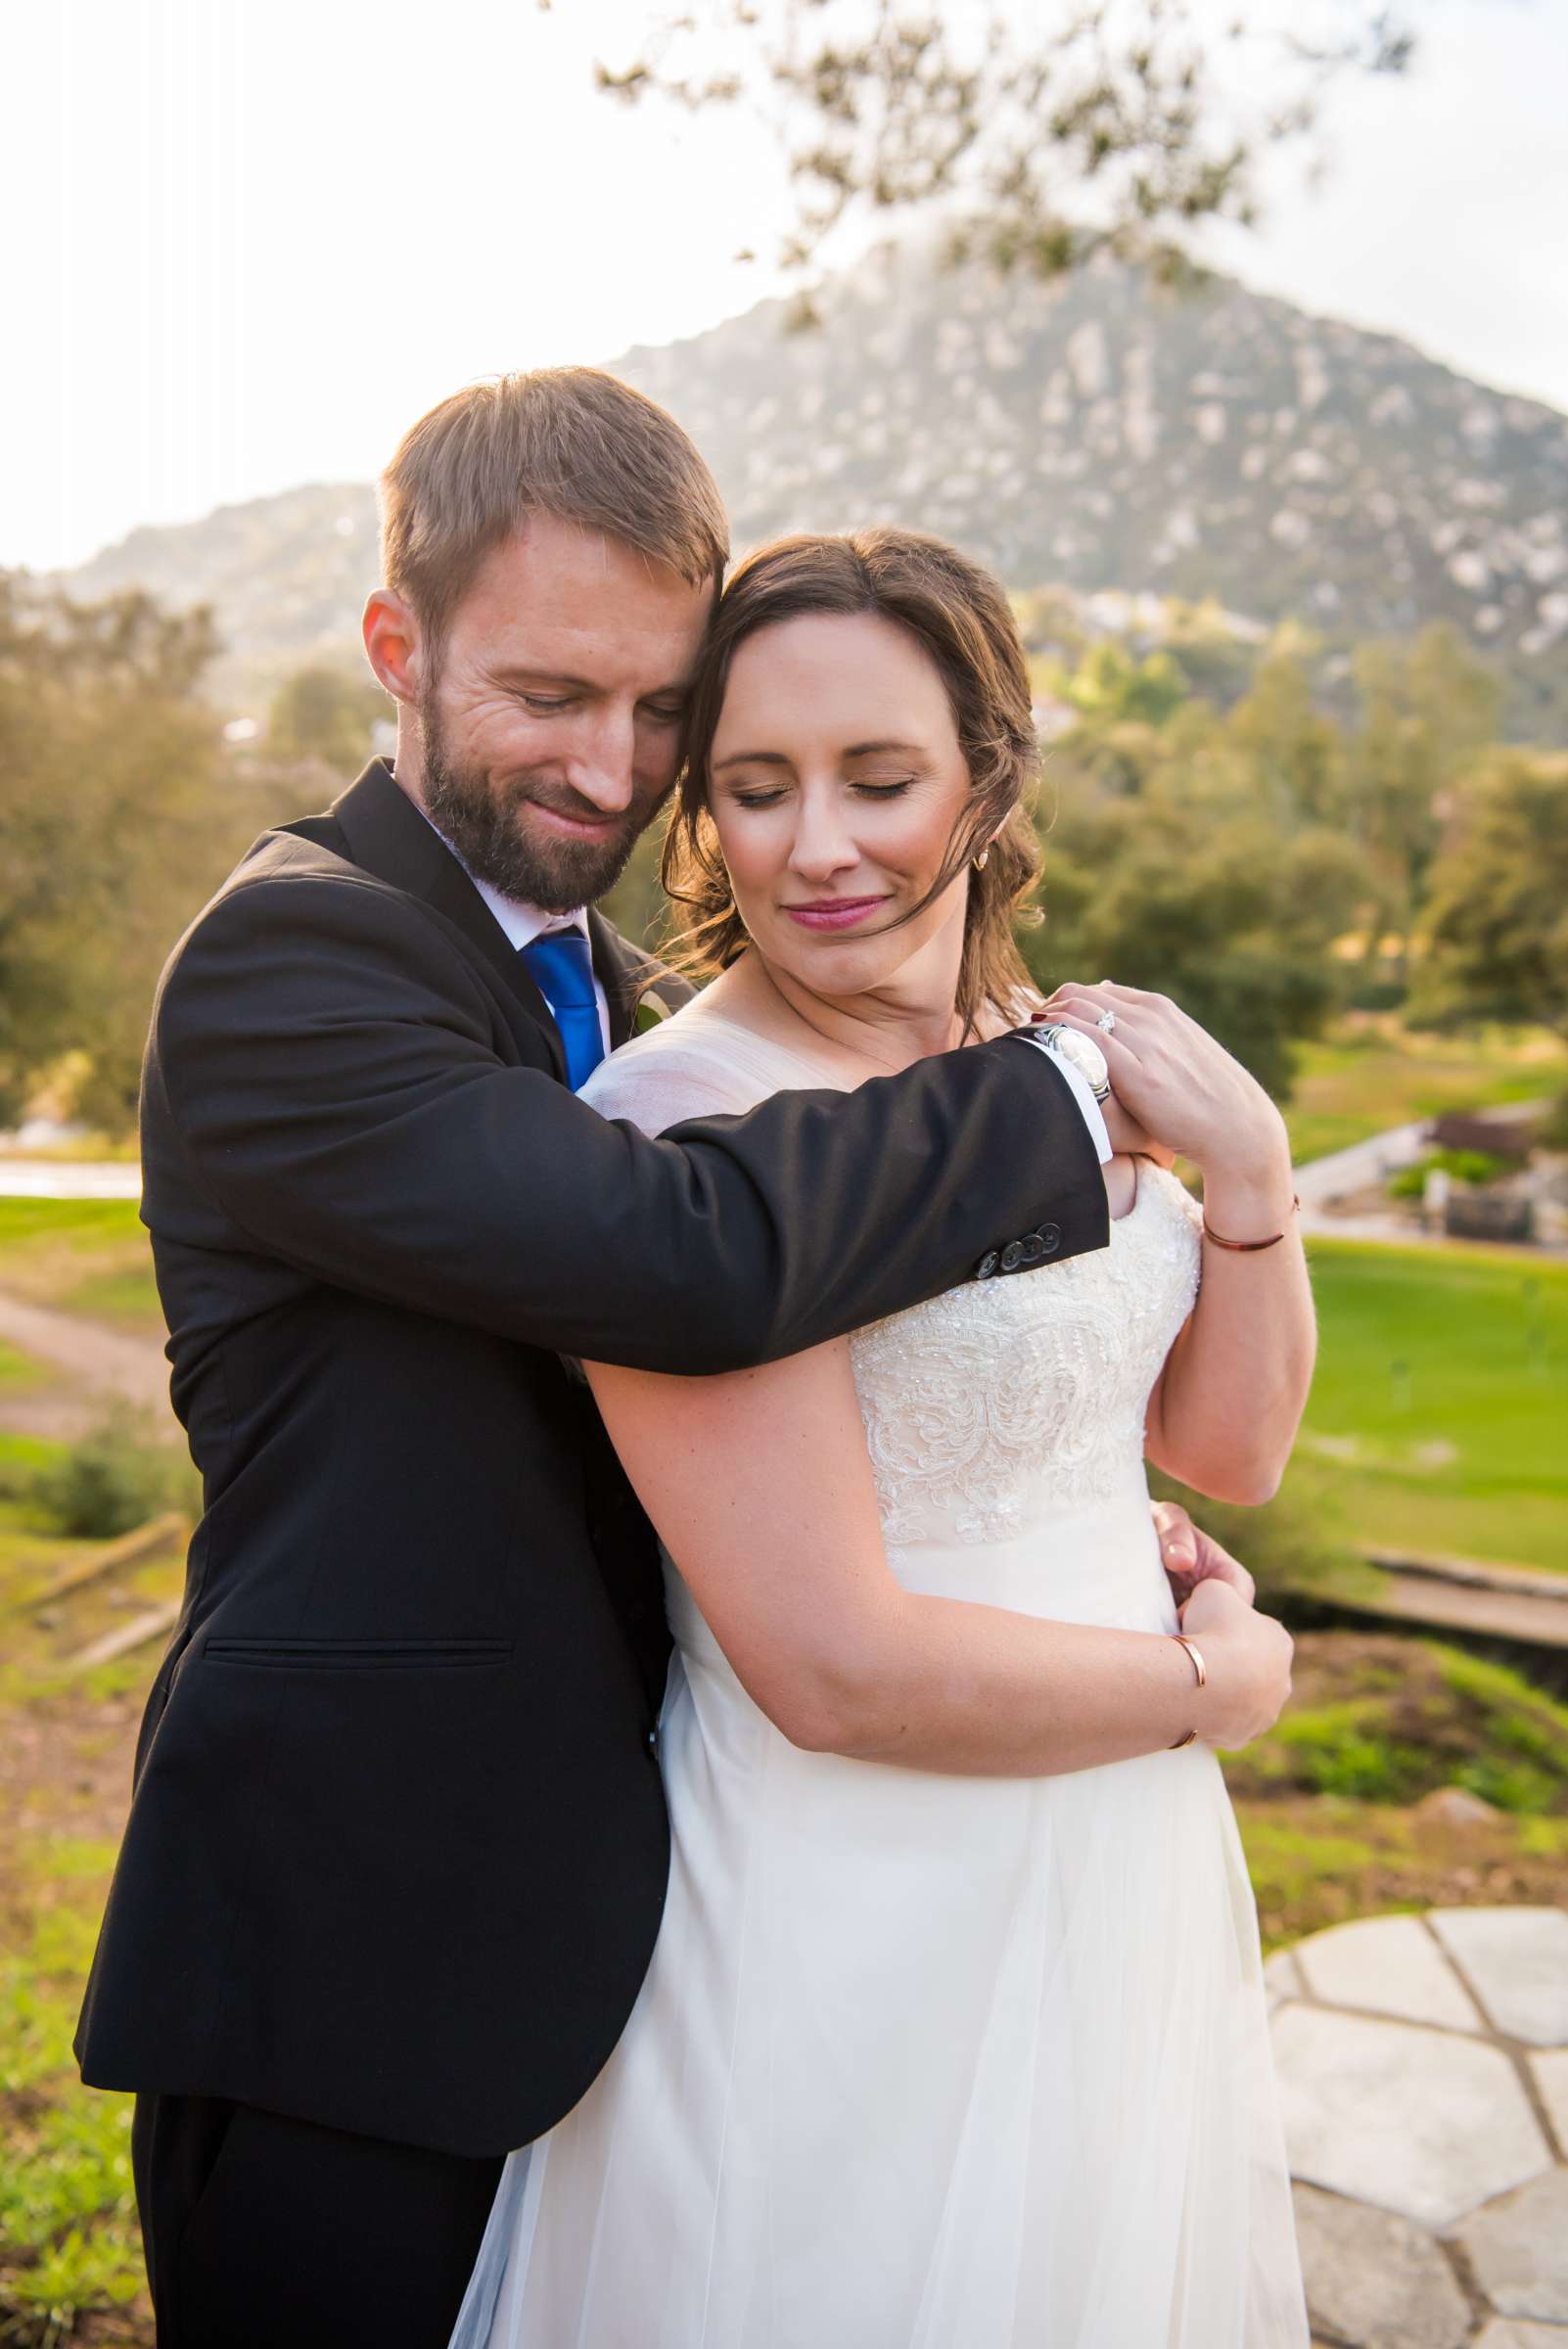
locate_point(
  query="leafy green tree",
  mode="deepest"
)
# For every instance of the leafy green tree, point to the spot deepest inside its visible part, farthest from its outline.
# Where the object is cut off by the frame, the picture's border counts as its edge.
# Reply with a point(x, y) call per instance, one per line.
point(1428, 707)
point(1497, 926)
point(118, 816)
point(1294, 756)
point(324, 715)
point(1111, 684)
point(1228, 914)
point(1217, 663)
point(1053, 133)
point(1121, 702)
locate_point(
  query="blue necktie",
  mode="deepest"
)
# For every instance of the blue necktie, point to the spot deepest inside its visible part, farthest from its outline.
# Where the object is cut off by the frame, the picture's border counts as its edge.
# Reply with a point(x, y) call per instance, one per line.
point(561, 964)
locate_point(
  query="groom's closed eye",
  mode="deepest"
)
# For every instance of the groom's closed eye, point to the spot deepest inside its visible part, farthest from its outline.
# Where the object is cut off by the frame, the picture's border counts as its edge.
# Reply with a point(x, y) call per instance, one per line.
point(550, 705)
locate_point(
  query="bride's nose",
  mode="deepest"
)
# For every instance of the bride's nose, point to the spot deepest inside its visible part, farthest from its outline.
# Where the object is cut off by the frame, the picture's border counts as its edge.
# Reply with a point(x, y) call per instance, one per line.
point(824, 843)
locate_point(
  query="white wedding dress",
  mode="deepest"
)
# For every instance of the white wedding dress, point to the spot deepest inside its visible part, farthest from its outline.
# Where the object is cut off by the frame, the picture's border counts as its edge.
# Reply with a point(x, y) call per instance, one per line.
point(929, 2062)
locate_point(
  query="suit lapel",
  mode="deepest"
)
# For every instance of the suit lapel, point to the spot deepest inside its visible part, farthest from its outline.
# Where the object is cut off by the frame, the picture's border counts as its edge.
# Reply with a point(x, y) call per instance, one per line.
point(388, 835)
point(621, 970)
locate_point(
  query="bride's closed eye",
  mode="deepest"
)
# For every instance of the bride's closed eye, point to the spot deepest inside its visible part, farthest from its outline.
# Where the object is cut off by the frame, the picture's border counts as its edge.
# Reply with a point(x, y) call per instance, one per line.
point(866, 791)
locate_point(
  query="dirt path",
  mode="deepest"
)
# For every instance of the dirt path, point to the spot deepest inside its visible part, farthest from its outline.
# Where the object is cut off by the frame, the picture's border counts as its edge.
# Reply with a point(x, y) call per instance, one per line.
point(101, 1364)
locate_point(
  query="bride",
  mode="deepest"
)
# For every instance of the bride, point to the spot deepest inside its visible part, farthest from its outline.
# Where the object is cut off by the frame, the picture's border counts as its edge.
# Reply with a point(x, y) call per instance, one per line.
point(954, 2035)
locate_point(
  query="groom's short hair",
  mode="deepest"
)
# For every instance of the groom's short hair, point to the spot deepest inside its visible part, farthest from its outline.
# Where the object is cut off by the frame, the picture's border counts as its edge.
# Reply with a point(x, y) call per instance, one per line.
point(569, 442)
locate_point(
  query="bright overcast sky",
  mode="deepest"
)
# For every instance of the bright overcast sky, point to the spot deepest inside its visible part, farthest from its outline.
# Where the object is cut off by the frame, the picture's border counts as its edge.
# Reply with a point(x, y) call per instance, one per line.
point(248, 241)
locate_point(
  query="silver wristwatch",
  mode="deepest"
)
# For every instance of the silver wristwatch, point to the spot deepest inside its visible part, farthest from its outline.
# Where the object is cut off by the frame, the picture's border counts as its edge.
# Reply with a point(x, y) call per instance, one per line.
point(1079, 1051)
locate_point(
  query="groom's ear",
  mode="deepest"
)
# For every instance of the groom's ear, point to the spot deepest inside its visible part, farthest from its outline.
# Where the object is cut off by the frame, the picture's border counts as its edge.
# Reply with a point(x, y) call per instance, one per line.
point(392, 636)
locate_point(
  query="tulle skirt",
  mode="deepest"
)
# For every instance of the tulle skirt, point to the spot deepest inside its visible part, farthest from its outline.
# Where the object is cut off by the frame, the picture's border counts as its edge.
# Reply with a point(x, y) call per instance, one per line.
point(923, 2062)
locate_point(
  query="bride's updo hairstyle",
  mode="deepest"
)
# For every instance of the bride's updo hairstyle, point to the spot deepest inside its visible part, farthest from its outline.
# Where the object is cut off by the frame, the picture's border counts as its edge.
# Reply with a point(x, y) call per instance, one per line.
point(959, 617)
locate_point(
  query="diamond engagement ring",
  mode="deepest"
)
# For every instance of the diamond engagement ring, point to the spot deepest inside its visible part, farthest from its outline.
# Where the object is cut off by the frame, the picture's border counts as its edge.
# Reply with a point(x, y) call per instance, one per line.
point(1107, 1021)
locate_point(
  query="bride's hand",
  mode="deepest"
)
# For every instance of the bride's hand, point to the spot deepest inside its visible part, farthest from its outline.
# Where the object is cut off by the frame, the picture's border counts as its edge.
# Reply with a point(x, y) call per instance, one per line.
point(1247, 1658)
point(1129, 1138)
point(1191, 1556)
point(1173, 1077)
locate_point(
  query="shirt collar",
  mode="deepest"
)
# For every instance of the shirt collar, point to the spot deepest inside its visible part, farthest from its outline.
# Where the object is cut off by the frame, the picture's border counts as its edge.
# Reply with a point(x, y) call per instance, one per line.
point(521, 923)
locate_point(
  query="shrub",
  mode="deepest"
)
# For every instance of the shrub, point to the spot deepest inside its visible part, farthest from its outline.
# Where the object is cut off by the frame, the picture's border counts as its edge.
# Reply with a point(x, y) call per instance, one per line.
point(1472, 1166)
point(1377, 993)
point(113, 1480)
point(1381, 1718)
point(1553, 1132)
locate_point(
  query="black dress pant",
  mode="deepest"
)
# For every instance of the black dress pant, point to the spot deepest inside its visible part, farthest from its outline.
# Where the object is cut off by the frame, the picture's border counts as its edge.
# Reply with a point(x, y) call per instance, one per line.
point(263, 2233)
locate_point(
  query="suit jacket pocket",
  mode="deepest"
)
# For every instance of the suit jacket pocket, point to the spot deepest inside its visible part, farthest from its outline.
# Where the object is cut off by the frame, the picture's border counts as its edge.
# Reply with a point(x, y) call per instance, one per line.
point(359, 1655)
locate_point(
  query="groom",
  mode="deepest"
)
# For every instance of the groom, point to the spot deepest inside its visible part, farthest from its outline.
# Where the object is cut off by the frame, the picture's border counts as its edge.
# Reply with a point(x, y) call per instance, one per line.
point(397, 1847)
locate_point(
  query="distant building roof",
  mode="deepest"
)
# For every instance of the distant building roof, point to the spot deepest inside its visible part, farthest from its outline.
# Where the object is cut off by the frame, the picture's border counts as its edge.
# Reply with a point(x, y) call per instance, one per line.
point(1500, 1137)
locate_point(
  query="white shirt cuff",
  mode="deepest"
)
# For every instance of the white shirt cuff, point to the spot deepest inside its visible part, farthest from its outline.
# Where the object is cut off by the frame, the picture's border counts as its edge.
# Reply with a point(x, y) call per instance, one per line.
point(1078, 1084)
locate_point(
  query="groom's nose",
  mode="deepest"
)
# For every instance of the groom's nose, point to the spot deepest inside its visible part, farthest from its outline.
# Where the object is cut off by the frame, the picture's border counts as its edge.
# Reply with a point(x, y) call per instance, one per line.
point(602, 770)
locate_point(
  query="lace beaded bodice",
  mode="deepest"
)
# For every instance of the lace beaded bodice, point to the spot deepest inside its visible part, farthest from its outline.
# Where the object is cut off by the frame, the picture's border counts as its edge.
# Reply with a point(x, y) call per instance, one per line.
point(1003, 1403)
point(997, 1405)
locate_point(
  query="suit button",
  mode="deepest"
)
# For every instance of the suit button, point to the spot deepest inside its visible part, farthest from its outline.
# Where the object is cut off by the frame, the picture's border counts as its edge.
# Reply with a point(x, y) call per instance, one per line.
point(1034, 1247)
point(1012, 1256)
point(1049, 1236)
point(986, 1265)
point(653, 1741)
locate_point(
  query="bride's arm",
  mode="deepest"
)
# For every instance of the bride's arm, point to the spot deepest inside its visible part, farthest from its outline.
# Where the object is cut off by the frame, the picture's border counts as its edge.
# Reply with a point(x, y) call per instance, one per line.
point(1225, 1412)
point(759, 1485)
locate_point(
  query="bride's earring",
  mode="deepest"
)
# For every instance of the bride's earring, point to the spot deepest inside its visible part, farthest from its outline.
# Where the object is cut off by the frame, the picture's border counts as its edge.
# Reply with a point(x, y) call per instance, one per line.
point(980, 860)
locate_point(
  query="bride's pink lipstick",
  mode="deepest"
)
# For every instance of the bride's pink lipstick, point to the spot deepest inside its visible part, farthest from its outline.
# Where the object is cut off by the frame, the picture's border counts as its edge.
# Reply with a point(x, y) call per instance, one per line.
point(834, 913)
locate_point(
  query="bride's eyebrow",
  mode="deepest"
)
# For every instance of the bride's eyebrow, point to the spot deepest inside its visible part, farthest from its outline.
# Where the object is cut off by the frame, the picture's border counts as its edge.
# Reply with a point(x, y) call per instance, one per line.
point(854, 749)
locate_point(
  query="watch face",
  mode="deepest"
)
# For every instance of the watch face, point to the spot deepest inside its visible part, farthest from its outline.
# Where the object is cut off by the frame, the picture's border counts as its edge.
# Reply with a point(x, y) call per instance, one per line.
point(1086, 1057)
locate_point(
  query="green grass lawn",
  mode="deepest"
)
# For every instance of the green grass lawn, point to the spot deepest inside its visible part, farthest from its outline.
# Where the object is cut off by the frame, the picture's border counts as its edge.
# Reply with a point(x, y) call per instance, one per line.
point(81, 1226)
point(69, 2254)
point(17, 1371)
point(1370, 1073)
point(87, 1256)
point(1440, 1408)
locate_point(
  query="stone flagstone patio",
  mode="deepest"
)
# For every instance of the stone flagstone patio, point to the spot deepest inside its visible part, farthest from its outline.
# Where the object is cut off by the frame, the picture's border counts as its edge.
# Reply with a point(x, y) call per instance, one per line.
point(1423, 2078)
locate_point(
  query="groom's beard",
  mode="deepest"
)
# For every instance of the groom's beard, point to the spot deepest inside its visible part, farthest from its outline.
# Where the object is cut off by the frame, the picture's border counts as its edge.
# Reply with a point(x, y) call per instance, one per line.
point(486, 821)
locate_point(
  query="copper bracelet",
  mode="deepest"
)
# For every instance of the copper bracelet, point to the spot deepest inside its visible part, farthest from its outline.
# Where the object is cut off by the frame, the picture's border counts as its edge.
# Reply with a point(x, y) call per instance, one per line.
point(1248, 1246)
point(1192, 1649)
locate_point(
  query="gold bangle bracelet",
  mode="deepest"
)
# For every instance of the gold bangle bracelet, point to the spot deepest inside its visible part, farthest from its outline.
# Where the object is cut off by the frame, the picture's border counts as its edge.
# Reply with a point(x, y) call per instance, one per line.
point(1192, 1649)
point(1196, 1653)
point(1248, 1246)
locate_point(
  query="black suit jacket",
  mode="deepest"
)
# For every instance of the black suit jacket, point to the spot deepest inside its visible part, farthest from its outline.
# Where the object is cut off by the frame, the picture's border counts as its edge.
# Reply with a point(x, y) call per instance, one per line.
point(397, 1847)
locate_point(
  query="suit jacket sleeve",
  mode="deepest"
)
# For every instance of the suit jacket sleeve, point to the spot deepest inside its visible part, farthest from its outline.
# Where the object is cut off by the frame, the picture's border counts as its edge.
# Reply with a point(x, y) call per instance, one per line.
point(325, 1056)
